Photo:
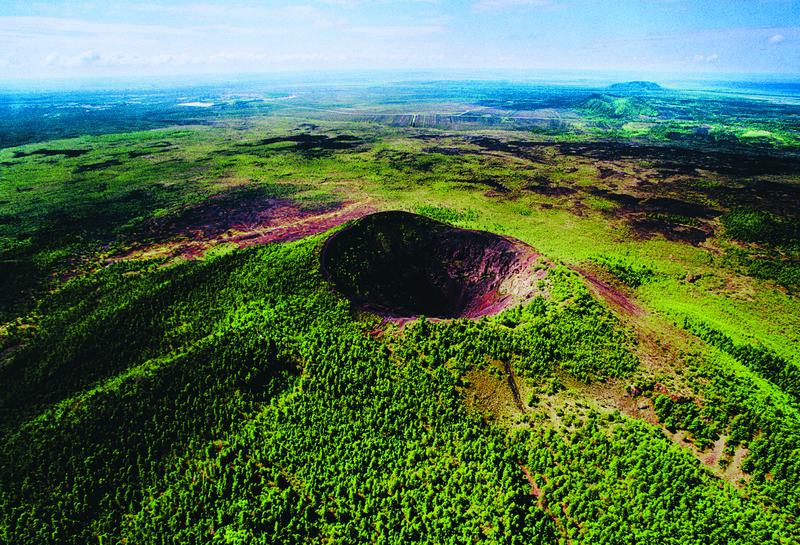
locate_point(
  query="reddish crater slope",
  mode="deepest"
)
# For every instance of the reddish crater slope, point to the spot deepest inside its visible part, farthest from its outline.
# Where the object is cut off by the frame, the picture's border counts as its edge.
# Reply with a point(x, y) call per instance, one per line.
point(401, 265)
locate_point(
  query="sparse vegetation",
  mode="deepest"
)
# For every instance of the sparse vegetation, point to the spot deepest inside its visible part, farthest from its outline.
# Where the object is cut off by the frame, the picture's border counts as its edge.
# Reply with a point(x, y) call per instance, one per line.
point(626, 270)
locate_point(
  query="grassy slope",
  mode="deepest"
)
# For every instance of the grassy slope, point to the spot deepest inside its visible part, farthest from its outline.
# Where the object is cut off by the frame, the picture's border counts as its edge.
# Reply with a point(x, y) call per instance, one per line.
point(137, 381)
point(280, 420)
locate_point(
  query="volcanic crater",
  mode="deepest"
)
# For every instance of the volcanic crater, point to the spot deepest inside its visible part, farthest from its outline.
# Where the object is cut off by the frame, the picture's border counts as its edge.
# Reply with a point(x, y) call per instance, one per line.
point(401, 265)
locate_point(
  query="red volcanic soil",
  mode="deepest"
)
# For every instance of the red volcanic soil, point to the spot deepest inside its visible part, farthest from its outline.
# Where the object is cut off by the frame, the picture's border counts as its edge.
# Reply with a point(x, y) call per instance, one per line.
point(535, 490)
point(287, 222)
point(245, 222)
point(613, 296)
point(401, 265)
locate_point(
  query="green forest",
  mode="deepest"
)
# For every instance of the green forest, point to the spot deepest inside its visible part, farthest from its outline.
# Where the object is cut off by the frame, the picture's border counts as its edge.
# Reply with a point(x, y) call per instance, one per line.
point(263, 324)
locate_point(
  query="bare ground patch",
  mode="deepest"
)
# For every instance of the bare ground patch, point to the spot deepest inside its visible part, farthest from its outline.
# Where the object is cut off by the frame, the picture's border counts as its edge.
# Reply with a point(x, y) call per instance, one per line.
point(261, 221)
point(615, 297)
point(661, 349)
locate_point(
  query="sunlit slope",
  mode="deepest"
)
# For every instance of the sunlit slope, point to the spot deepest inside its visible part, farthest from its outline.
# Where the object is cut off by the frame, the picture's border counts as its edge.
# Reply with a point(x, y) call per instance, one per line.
point(237, 399)
point(165, 379)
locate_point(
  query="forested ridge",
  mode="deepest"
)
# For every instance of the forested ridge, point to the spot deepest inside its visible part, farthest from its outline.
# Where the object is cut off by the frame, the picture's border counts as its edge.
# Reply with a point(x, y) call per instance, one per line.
point(238, 400)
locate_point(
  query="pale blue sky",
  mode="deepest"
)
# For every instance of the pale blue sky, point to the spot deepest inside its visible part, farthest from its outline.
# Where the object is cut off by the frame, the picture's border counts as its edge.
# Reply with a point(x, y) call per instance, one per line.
point(65, 38)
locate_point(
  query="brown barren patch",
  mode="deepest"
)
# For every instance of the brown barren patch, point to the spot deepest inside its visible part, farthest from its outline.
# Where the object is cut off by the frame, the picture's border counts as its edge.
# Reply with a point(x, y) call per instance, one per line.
point(259, 222)
point(615, 297)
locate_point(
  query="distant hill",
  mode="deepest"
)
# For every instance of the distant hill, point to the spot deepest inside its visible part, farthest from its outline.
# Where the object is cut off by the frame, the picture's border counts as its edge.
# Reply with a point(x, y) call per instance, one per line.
point(617, 107)
point(635, 86)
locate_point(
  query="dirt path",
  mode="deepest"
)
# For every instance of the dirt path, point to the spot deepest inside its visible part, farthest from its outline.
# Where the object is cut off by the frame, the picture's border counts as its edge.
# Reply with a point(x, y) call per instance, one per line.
point(613, 296)
point(538, 493)
point(535, 490)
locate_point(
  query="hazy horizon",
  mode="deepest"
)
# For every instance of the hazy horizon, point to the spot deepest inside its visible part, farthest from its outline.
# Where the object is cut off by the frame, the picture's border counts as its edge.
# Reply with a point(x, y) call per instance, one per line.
point(297, 80)
point(178, 38)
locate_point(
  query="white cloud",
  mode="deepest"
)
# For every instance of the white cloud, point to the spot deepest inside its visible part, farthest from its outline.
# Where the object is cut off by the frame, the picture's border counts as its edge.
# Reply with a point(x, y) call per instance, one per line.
point(86, 58)
point(250, 14)
point(233, 20)
point(199, 21)
point(738, 34)
point(488, 5)
point(399, 31)
point(39, 26)
point(356, 3)
point(341, 3)
point(706, 58)
point(93, 58)
point(96, 58)
point(776, 38)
